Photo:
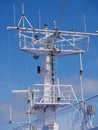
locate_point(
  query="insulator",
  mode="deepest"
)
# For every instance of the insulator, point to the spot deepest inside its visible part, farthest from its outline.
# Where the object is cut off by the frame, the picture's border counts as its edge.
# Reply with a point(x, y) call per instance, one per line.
point(10, 122)
point(28, 101)
point(36, 37)
point(35, 57)
point(81, 72)
point(32, 95)
point(58, 99)
point(45, 26)
point(38, 69)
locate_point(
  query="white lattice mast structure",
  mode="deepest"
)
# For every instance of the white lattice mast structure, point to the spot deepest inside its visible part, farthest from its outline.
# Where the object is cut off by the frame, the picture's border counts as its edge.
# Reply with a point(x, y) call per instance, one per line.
point(51, 44)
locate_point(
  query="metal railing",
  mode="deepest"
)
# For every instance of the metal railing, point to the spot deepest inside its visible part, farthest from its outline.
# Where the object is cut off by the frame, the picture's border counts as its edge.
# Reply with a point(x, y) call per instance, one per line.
point(70, 118)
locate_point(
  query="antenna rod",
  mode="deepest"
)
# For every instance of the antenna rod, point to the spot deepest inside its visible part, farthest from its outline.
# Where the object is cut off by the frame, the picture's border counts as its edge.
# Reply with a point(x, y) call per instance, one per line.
point(39, 19)
point(84, 23)
point(10, 121)
point(22, 7)
point(23, 16)
point(14, 13)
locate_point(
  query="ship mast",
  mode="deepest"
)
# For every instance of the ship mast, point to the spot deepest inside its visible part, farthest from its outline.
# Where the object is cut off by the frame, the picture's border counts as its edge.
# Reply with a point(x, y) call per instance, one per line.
point(50, 44)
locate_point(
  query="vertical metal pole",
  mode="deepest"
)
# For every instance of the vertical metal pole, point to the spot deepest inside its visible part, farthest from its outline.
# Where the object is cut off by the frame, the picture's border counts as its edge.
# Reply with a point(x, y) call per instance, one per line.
point(82, 107)
point(29, 113)
point(81, 71)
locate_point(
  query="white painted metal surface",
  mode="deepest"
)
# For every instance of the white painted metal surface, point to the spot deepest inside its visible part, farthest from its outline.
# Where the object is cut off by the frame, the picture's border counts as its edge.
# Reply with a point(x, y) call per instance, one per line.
point(51, 44)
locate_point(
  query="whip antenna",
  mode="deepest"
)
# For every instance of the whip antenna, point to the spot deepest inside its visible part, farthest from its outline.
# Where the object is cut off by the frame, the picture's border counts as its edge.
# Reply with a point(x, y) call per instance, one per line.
point(14, 13)
point(23, 7)
point(23, 12)
point(10, 121)
point(39, 19)
point(23, 18)
point(84, 22)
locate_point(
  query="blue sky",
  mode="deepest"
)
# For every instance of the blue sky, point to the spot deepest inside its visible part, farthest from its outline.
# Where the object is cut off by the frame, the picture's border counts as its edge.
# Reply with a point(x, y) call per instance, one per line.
point(18, 69)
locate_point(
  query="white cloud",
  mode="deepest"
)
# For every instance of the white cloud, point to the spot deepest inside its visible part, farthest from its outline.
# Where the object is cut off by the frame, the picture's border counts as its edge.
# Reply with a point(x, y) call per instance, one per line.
point(90, 86)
